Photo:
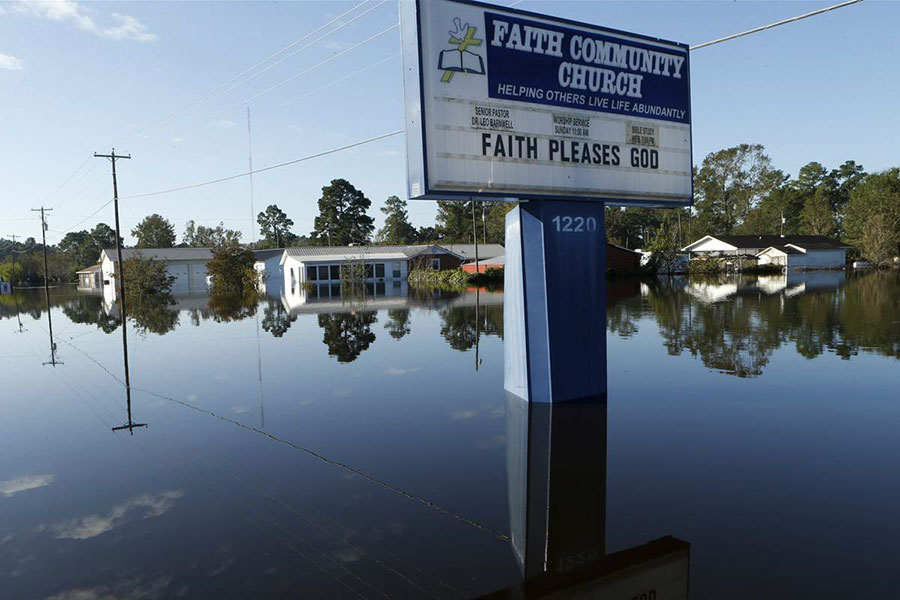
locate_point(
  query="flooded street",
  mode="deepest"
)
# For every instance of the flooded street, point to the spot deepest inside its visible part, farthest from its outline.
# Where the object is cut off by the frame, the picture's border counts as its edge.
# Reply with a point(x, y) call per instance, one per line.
point(362, 449)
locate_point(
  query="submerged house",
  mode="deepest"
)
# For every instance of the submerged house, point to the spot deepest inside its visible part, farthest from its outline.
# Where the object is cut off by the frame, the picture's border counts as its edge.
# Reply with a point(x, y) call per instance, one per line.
point(90, 278)
point(379, 264)
point(186, 265)
point(267, 264)
point(789, 251)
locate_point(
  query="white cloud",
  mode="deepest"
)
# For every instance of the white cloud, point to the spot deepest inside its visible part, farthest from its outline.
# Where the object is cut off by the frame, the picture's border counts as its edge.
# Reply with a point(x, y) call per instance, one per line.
point(22, 484)
point(239, 409)
point(397, 371)
point(226, 124)
point(11, 63)
point(125, 27)
point(180, 140)
point(83, 528)
point(462, 415)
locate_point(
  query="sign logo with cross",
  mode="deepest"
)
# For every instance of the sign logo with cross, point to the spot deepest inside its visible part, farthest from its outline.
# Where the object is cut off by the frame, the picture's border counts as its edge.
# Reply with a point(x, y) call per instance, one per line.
point(460, 59)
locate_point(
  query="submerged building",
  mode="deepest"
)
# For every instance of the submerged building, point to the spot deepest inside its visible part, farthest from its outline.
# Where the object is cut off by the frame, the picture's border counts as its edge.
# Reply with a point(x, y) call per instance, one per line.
point(788, 251)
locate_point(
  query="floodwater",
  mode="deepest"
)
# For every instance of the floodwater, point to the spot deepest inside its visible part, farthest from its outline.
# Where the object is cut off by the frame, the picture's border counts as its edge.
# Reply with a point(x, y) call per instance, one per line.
point(346, 448)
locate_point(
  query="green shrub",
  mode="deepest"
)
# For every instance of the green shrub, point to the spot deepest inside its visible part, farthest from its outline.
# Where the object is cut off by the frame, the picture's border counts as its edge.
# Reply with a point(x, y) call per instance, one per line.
point(232, 270)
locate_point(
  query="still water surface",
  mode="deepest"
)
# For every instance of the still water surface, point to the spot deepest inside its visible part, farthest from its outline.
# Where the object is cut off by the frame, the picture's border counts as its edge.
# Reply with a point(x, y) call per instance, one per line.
point(361, 450)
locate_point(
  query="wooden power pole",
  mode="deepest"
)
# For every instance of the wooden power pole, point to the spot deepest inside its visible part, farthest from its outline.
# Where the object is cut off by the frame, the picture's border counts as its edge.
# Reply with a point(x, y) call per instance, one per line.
point(120, 277)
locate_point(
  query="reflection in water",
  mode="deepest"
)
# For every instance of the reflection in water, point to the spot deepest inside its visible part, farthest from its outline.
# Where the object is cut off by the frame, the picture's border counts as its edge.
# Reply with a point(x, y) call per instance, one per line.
point(397, 323)
point(89, 309)
point(735, 325)
point(225, 308)
point(462, 323)
point(347, 335)
point(277, 320)
point(152, 314)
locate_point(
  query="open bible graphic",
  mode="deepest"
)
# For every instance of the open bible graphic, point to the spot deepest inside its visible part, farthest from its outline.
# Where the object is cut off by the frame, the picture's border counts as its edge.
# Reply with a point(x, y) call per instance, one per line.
point(460, 59)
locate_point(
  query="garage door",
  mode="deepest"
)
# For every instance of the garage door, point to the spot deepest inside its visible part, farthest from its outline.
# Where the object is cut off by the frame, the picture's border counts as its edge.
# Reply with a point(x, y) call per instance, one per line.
point(182, 280)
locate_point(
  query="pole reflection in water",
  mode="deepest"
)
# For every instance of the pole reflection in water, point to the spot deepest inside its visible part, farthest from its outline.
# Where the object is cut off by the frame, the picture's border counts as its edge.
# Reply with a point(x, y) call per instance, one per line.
point(53, 360)
point(130, 425)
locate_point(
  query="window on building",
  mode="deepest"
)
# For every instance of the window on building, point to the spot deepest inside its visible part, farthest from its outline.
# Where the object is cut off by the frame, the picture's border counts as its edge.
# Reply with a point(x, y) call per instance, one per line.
point(379, 288)
point(369, 273)
point(436, 264)
point(379, 269)
point(311, 273)
point(397, 272)
point(335, 272)
point(323, 273)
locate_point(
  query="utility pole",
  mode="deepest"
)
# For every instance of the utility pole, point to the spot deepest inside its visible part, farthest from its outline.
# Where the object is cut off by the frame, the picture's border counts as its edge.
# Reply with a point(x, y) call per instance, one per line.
point(475, 235)
point(43, 210)
point(120, 276)
point(483, 225)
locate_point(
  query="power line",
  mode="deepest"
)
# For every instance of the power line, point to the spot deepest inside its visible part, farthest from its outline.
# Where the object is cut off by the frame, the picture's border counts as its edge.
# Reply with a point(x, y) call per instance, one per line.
point(279, 165)
point(297, 75)
point(770, 26)
point(340, 79)
point(219, 89)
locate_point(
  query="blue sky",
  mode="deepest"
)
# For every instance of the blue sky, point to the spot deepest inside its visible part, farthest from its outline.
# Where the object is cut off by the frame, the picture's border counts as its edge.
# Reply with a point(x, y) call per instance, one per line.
point(76, 78)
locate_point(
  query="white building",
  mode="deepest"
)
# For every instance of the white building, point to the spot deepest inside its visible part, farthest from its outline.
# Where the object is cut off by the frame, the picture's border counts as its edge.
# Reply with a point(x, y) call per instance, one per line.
point(186, 265)
point(271, 273)
point(804, 256)
point(382, 264)
point(790, 251)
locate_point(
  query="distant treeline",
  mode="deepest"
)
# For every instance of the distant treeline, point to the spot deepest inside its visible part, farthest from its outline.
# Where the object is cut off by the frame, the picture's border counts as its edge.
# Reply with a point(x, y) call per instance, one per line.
point(736, 191)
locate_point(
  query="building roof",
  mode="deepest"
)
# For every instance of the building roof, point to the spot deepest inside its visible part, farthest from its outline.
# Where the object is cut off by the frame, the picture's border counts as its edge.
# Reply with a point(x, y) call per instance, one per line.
point(817, 242)
point(467, 251)
point(267, 253)
point(782, 249)
point(343, 253)
point(96, 267)
point(495, 260)
point(167, 254)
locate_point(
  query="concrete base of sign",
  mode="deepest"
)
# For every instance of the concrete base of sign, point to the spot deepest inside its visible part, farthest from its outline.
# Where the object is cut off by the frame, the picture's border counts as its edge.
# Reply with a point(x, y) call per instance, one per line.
point(555, 302)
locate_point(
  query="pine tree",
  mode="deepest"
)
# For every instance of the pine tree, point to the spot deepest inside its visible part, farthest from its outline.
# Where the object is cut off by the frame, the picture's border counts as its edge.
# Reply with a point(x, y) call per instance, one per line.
point(342, 215)
point(397, 228)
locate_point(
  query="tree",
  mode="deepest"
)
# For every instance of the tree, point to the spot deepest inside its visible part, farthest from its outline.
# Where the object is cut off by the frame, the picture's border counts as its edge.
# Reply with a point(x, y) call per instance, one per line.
point(811, 176)
point(454, 222)
point(664, 249)
point(879, 193)
point(729, 184)
point(426, 235)
point(78, 247)
point(817, 217)
point(397, 229)
point(275, 226)
point(232, 270)
point(784, 201)
point(154, 232)
point(104, 237)
point(342, 215)
point(878, 240)
point(200, 236)
point(146, 277)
